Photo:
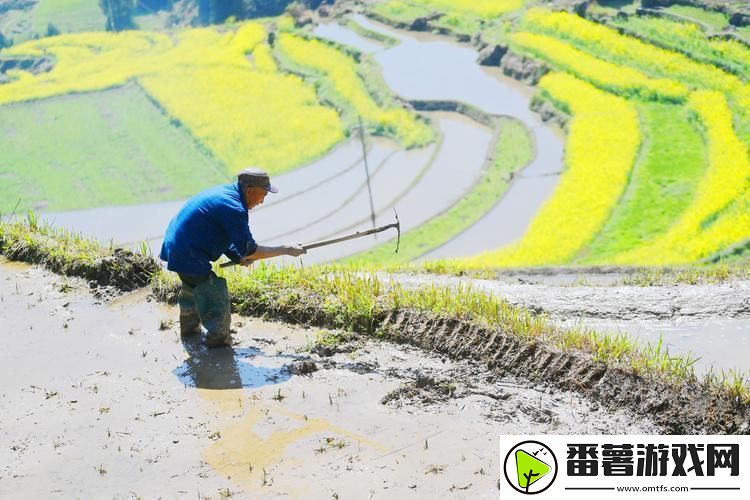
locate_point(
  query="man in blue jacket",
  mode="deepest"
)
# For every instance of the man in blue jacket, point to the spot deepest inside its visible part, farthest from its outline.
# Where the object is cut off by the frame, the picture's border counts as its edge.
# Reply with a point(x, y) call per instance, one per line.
point(212, 224)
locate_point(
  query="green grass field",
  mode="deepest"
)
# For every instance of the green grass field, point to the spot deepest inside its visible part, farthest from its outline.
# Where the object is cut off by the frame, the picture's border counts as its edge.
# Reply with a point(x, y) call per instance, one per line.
point(400, 12)
point(69, 16)
point(661, 186)
point(715, 20)
point(98, 149)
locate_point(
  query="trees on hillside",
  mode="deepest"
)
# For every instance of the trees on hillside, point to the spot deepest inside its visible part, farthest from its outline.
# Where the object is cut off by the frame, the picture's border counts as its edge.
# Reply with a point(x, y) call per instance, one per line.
point(119, 14)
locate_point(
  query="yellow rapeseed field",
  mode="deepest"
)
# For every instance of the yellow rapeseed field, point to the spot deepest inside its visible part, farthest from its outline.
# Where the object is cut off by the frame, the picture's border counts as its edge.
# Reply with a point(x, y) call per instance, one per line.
point(244, 113)
point(623, 49)
point(263, 59)
point(612, 77)
point(718, 216)
point(340, 69)
point(602, 145)
point(690, 38)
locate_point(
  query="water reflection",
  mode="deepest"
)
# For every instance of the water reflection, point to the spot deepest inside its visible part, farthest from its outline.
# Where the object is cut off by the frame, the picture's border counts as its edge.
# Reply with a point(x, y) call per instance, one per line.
point(719, 343)
point(229, 368)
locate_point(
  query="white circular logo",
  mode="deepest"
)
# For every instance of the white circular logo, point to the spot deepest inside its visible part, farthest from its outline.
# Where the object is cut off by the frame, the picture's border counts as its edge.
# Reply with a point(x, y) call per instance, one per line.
point(530, 467)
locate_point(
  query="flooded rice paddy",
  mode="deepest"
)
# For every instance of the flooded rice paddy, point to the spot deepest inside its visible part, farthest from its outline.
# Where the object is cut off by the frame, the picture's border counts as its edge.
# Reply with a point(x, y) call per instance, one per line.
point(104, 397)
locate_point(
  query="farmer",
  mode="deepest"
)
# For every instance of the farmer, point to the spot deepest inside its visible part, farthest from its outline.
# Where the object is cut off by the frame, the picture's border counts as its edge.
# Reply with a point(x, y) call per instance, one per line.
point(213, 223)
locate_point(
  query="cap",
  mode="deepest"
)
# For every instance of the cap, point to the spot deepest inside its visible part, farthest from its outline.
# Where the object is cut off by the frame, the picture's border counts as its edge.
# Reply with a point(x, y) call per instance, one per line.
point(255, 177)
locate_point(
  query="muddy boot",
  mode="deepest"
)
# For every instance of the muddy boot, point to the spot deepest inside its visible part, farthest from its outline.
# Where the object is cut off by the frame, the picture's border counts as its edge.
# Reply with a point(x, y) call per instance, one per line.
point(190, 320)
point(214, 308)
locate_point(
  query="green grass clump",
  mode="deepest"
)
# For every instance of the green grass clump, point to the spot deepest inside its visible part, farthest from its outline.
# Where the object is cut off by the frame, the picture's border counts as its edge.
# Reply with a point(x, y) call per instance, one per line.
point(709, 274)
point(662, 184)
point(330, 341)
point(710, 18)
point(513, 150)
point(386, 40)
point(98, 149)
point(71, 254)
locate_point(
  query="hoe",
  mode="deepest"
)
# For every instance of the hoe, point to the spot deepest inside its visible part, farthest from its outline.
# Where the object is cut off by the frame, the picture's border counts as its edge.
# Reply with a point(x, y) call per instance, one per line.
point(359, 234)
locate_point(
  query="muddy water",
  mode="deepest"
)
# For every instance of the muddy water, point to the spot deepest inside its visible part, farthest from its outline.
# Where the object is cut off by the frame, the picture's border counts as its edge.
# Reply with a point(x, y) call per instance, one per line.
point(721, 344)
point(453, 74)
point(104, 400)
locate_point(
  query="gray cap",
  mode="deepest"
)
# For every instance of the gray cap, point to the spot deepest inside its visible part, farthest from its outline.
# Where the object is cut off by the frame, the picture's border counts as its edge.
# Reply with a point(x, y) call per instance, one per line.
point(255, 177)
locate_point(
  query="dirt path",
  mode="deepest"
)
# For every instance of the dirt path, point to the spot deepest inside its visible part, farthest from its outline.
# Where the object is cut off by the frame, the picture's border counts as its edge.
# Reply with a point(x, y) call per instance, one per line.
point(103, 397)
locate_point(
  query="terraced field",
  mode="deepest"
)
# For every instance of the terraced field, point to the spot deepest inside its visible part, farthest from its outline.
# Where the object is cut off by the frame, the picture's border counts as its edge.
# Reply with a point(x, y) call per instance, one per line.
point(657, 107)
point(645, 156)
point(593, 139)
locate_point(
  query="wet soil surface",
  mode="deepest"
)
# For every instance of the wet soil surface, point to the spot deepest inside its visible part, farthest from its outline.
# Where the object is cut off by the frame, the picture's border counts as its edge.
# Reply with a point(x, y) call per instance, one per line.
point(709, 322)
point(103, 397)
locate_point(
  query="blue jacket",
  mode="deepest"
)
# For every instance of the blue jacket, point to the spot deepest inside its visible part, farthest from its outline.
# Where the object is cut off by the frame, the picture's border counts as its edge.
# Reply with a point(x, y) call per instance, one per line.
point(212, 223)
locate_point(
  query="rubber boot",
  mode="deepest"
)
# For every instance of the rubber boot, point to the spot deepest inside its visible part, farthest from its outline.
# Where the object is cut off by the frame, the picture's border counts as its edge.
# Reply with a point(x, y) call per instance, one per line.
point(190, 320)
point(214, 308)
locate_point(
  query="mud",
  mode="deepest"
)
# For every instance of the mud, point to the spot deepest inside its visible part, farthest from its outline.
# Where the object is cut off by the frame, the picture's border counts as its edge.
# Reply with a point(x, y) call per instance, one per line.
point(105, 400)
point(522, 68)
point(676, 406)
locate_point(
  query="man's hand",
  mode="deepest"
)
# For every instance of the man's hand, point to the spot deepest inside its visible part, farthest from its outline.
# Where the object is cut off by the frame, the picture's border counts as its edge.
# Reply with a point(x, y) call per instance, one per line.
point(264, 252)
point(295, 250)
point(247, 262)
